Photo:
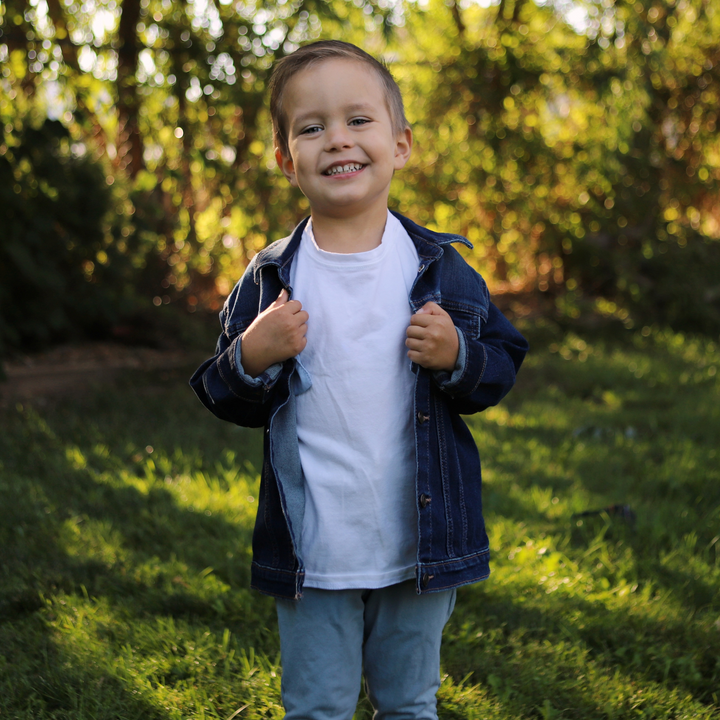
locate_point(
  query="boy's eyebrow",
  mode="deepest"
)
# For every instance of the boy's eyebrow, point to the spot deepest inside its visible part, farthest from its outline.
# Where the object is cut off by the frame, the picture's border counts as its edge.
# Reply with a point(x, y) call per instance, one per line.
point(359, 106)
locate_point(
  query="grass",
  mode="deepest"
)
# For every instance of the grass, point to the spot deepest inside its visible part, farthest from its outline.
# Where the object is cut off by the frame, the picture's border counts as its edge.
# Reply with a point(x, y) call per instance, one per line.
point(127, 515)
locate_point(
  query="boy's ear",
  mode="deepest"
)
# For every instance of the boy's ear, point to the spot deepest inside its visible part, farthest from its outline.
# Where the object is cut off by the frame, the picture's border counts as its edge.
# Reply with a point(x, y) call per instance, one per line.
point(403, 147)
point(287, 166)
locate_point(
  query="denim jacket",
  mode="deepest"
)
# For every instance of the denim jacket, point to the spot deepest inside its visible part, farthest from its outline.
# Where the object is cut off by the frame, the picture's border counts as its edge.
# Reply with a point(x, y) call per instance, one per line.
point(452, 542)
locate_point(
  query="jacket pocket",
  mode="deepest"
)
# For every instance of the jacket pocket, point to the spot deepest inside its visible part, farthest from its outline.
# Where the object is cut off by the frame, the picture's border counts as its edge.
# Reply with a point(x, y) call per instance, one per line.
point(469, 321)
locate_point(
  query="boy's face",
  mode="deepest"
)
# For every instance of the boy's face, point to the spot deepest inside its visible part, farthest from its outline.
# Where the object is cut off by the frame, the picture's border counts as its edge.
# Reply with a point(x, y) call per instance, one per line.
point(343, 149)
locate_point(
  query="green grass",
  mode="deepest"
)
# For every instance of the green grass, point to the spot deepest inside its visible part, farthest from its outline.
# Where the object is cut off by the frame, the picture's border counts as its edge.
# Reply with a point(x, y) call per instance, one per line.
point(126, 518)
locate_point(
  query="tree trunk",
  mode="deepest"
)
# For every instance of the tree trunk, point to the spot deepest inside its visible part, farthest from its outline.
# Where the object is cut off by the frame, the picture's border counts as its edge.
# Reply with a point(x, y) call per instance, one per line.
point(129, 139)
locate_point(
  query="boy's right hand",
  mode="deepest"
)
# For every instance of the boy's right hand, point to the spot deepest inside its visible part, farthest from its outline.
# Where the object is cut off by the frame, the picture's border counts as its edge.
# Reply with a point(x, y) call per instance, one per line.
point(276, 334)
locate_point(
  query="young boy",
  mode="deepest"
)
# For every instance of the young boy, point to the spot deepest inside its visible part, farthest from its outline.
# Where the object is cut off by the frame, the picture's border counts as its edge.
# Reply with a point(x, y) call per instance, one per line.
point(356, 343)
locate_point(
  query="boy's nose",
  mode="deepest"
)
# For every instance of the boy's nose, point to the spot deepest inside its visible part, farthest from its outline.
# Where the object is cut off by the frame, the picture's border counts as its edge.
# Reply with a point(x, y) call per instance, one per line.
point(338, 137)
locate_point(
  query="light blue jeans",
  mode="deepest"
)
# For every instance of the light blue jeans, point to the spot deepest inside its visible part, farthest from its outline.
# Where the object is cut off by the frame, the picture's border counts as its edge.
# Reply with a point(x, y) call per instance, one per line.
point(329, 638)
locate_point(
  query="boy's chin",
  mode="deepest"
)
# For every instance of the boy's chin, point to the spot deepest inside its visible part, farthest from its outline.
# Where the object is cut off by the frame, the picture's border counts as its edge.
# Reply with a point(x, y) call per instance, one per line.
point(347, 210)
point(345, 206)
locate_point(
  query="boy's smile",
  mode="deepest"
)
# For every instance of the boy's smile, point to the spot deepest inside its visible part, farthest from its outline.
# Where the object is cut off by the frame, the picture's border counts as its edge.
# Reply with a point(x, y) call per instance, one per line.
point(343, 149)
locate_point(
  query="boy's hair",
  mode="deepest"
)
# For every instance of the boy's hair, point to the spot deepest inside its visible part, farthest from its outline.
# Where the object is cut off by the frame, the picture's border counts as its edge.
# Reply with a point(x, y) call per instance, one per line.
point(314, 53)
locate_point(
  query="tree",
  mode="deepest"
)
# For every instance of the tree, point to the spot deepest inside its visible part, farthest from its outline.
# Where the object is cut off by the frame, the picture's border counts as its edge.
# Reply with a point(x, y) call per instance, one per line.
point(166, 101)
point(575, 145)
point(578, 161)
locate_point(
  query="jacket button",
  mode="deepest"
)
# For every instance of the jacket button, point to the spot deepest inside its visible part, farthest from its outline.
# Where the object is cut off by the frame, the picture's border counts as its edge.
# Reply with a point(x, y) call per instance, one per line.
point(425, 580)
point(422, 417)
point(425, 500)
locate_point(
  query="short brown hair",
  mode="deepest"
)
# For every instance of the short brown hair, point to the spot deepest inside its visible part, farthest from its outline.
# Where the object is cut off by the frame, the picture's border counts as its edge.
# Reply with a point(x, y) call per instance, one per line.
point(314, 53)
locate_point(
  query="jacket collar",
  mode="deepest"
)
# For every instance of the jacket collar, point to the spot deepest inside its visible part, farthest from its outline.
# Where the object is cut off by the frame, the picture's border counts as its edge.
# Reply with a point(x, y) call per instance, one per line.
point(280, 253)
point(429, 245)
point(428, 242)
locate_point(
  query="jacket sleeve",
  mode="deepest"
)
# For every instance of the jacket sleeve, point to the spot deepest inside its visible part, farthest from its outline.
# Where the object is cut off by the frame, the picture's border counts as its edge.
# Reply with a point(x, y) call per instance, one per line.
point(486, 367)
point(221, 383)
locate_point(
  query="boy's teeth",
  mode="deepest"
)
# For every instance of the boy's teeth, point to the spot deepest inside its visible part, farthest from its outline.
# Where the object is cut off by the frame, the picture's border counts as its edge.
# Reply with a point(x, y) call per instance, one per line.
point(350, 167)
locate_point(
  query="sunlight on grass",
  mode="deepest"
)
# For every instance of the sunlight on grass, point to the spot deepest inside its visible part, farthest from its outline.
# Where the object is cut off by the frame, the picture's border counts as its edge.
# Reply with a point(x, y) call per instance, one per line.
point(124, 576)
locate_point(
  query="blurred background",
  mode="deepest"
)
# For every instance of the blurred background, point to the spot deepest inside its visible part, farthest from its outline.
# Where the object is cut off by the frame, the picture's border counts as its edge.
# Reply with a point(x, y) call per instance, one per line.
point(574, 143)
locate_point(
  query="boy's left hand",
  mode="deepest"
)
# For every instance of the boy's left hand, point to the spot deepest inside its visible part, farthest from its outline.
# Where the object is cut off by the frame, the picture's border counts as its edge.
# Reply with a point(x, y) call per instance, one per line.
point(432, 340)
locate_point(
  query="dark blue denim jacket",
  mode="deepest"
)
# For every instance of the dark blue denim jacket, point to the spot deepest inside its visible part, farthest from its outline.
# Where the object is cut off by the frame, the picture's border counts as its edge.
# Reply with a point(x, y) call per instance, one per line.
point(452, 542)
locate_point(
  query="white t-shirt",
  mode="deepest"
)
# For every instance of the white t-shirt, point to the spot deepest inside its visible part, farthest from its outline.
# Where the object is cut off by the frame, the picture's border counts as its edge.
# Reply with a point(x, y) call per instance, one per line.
point(354, 425)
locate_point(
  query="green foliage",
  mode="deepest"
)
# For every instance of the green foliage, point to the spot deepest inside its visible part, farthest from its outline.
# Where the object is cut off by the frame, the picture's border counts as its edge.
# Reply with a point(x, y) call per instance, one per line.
point(580, 163)
point(171, 98)
point(127, 520)
point(64, 266)
point(582, 158)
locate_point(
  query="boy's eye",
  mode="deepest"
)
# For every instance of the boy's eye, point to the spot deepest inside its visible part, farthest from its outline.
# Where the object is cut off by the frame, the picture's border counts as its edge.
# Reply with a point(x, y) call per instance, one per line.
point(311, 130)
point(359, 121)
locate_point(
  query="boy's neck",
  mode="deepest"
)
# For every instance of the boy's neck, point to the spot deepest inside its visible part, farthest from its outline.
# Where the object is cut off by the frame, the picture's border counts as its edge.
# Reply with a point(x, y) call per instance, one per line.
point(345, 235)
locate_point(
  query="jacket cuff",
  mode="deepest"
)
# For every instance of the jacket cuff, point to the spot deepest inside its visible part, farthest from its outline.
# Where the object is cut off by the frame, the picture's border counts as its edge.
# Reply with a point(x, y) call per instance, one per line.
point(448, 381)
point(266, 378)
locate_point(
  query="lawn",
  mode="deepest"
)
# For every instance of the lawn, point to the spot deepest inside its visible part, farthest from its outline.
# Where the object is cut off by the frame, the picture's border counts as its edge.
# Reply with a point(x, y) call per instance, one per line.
point(127, 514)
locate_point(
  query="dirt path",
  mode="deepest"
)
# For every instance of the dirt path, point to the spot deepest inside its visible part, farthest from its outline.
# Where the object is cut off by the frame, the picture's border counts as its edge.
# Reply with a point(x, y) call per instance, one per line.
point(73, 368)
point(68, 369)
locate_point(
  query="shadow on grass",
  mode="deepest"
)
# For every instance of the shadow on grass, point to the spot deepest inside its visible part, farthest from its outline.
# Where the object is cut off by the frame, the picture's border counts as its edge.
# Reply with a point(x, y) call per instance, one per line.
point(531, 648)
point(150, 554)
point(651, 444)
point(43, 681)
point(613, 460)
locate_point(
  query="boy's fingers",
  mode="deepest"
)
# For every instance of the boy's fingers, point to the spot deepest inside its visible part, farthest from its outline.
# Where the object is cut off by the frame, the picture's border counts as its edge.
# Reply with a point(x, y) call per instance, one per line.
point(295, 307)
point(292, 306)
point(421, 319)
point(431, 308)
point(416, 331)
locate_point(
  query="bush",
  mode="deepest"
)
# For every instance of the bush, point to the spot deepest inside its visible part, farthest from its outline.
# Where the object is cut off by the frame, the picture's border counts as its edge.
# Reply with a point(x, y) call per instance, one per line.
point(65, 268)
